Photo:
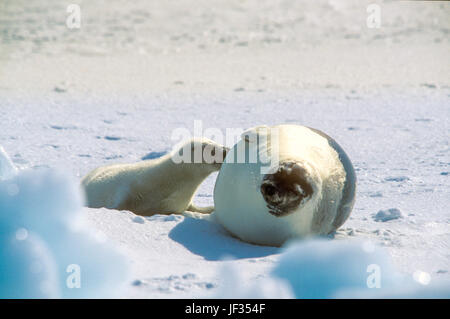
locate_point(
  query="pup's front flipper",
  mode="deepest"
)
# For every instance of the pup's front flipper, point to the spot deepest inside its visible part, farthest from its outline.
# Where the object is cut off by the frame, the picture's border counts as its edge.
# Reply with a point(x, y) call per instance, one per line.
point(201, 210)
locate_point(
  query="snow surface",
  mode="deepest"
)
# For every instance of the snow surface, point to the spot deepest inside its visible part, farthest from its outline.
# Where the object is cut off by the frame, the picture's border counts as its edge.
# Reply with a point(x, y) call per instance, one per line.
point(115, 90)
point(7, 168)
point(387, 215)
point(44, 238)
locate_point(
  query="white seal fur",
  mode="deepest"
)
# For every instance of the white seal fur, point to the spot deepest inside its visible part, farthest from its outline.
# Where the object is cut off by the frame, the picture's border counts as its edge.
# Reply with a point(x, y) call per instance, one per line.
point(310, 192)
point(157, 186)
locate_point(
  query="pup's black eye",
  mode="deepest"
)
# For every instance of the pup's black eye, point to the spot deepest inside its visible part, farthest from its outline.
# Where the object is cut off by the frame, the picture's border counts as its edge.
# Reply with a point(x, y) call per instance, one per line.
point(213, 152)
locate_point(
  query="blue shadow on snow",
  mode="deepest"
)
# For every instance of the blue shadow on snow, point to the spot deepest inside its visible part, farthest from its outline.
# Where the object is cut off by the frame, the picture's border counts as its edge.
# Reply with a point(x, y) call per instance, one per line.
point(213, 242)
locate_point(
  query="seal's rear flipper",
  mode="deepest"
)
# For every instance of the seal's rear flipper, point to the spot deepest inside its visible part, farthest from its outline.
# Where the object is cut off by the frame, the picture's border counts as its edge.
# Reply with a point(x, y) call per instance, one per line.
point(201, 210)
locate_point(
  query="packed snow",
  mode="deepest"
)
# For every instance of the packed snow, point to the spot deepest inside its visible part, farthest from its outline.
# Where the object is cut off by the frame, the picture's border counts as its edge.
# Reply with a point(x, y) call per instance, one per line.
point(115, 90)
point(46, 245)
point(7, 168)
point(388, 214)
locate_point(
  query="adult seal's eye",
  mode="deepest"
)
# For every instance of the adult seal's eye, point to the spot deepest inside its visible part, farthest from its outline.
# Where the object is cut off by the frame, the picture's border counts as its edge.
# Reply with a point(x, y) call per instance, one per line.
point(269, 190)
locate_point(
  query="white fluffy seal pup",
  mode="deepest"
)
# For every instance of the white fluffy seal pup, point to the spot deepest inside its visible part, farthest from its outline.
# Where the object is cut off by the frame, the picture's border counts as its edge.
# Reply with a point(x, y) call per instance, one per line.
point(309, 190)
point(158, 186)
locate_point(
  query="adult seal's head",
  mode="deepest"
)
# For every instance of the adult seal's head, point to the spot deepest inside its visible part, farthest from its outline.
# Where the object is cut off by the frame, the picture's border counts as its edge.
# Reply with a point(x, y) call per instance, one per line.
point(286, 189)
point(283, 182)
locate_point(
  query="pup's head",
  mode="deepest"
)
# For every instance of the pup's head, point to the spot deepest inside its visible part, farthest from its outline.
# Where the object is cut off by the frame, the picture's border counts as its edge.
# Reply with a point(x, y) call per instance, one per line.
point(291, 186)
point(200, 151)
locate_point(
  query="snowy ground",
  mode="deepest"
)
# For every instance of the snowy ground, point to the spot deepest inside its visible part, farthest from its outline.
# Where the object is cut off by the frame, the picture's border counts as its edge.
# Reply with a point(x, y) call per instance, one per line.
point(114, 90)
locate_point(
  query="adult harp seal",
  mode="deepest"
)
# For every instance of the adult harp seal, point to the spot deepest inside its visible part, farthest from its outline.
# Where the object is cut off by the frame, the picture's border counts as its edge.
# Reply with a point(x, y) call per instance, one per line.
point(310, 190)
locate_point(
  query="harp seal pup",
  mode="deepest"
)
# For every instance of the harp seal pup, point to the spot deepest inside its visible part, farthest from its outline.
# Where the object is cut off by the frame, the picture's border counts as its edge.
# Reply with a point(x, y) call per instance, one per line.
point(310, 192)
point(158, 186)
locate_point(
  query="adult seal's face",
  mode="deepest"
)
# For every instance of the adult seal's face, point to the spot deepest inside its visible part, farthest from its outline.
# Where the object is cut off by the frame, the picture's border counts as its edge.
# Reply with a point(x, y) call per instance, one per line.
point(286, 189)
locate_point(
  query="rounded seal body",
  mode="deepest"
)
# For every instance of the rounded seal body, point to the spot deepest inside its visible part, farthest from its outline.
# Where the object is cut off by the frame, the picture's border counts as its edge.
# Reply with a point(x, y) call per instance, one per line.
point(283, 182)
